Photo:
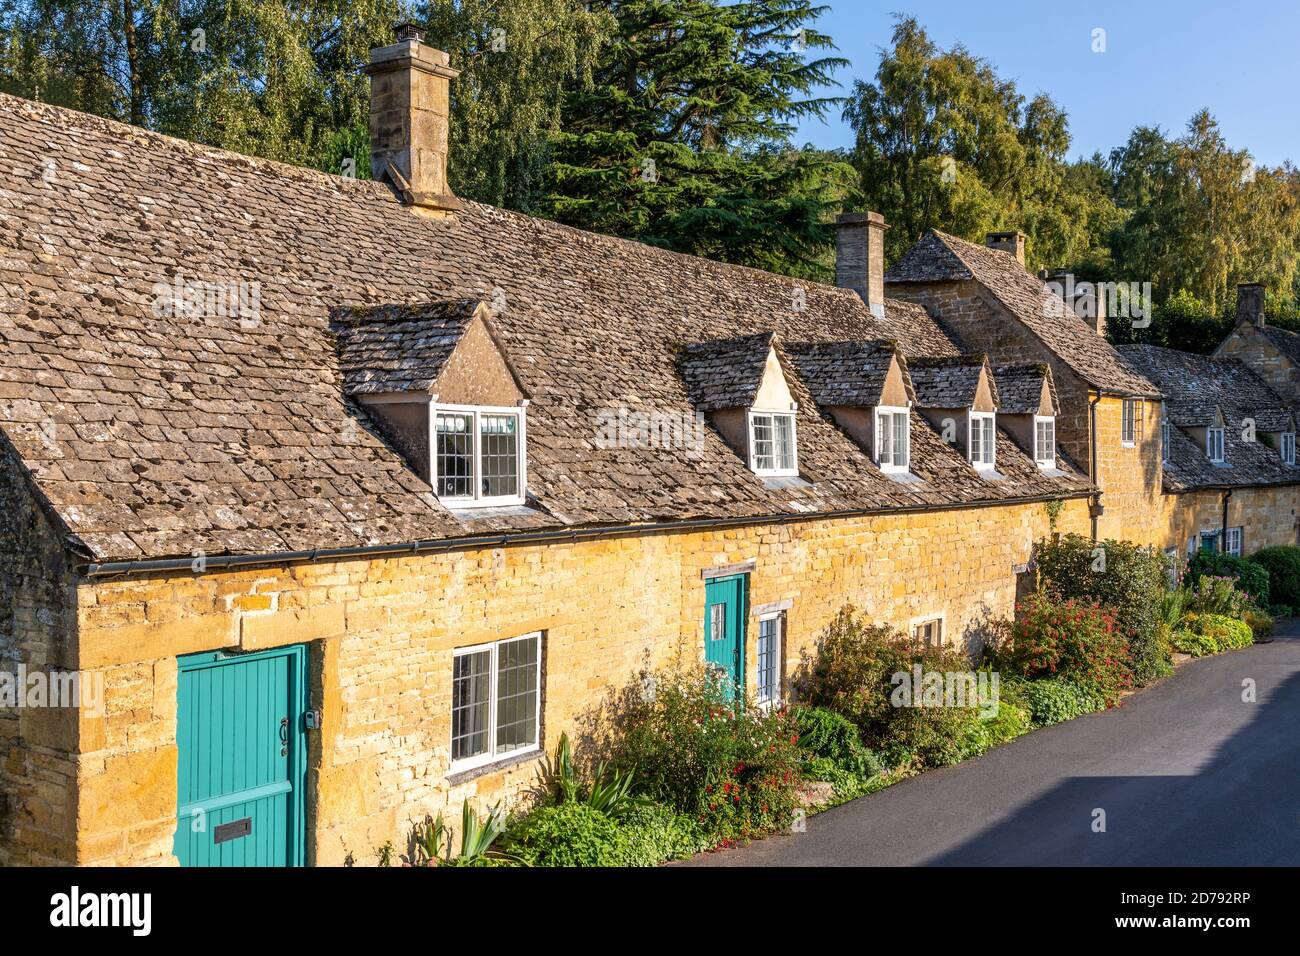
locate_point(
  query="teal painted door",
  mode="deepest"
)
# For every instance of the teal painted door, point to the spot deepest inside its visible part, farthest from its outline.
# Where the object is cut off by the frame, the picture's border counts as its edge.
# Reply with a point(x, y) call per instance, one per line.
point(242, 758)
point(724, 631)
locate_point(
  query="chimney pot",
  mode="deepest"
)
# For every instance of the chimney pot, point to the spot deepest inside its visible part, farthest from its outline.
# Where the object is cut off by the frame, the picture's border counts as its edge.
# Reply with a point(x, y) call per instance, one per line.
point(410, 121)
point(1012, 242)
point(1250, 303)
point(860, 257)
point(409, 31)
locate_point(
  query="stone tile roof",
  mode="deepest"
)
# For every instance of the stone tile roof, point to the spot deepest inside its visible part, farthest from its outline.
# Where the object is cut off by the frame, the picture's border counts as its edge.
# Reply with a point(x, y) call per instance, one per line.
point(726, 373)
point(939, 257)
point(156, 434)
point(1199, 388)
point(399, 348)
point(950, 382)
point(1286, 341)
point(1020, 387)
point(849, 374)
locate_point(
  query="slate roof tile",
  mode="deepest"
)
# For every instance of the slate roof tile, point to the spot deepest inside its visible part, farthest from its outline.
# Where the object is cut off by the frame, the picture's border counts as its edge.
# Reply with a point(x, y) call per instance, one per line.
point(1199, 389)
point(590, 323)
point(939, 257)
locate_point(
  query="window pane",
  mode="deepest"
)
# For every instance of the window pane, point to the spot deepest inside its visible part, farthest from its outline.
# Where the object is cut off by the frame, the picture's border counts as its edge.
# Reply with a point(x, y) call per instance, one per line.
point(764, 444)
point(768, 654)
point(784, 442)
point(976, 440)
point(455, 455)
point(517, 679)
point(885, 439)
point(499, 435)
point(900, 438)
point(470, 704)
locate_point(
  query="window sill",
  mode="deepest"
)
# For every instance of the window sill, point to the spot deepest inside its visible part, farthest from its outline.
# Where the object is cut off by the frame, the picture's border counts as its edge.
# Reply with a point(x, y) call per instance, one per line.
point(505, 763)
point(1128, 444)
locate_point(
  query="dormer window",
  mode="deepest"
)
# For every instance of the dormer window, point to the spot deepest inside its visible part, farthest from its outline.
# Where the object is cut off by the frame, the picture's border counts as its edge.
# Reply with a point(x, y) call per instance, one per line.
point(437, 381)
point(1045, 441)
point(1287, 448)
point(773, 451)
point(982, 443)
point(478, 455)
point(893, 438)
point(741, 384)
point(1214, 444)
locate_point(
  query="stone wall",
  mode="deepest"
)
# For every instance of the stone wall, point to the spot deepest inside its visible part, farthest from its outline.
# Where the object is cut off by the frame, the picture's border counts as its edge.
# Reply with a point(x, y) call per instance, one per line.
point(1130, 476)
point(1267, 516)
point(37, 619)
point(382, 634)
point(1250, 345)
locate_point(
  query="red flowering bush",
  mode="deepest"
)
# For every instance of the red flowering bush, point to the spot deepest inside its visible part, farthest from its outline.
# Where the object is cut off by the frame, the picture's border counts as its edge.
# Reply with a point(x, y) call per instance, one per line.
point(1074, 640)
point(729, 765)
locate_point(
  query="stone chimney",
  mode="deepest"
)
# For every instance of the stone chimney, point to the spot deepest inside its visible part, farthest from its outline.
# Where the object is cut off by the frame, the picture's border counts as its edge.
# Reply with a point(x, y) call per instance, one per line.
point(410, 114)
point(1012, 242)
point(1250, 303)
point(860, 257)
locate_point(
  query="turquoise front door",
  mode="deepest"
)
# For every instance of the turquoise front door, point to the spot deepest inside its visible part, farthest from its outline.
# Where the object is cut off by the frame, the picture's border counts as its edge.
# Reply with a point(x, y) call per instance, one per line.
point(242, 758)
point(724, 631)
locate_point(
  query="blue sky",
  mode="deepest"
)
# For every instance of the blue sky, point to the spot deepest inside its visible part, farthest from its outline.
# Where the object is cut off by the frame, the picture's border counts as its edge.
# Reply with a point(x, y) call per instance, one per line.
point(1164, 60)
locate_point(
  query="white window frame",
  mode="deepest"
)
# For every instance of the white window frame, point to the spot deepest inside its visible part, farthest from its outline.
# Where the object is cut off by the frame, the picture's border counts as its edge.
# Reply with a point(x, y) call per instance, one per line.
point(490, 755)
point(988, 456)
point(938, 621)
point(778, 472)
point(1132, 414)
point(1286, 448)
point(478, 499)
point(778, 651)
point(1045, 420)
point(892, 466)
point(1232, 542)
point(1211, 434)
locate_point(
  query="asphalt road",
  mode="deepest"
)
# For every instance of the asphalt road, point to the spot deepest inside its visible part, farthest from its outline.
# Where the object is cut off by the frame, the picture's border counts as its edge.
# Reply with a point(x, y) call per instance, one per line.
point(1187, 773)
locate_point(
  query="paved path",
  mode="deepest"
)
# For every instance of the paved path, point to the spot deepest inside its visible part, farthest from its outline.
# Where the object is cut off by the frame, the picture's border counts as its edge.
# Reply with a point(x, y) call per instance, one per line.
point(1186, 772)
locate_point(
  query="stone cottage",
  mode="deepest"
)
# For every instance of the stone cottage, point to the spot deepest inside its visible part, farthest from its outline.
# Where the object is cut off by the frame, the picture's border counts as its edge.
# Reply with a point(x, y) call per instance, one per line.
point(343, 499)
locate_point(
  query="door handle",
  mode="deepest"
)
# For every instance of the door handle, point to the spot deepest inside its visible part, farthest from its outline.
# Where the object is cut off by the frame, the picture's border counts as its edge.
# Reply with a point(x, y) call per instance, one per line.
point(284, 736)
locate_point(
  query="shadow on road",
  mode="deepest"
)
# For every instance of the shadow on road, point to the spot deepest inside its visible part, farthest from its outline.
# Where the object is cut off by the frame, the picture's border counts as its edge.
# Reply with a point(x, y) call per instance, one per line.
point(1250, 787)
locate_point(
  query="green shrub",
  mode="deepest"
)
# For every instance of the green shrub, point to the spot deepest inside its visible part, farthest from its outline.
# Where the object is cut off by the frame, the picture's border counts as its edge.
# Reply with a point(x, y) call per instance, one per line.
point(983, 733)
point(569, 834)
point(1214, 595)
point(848, 785)
point(852, 673)
point(1123, 578)
point(1069, 639)
point(1260, 622)
point(1226, 633)
point(824, 733)
point(1283, 566)
point(656, 833)
point(729, 765)
point(1053, 700)
point(1197, 645)
point(1251, 578)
